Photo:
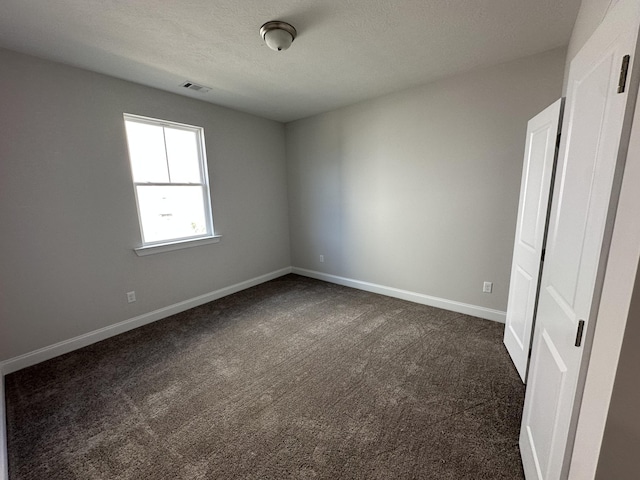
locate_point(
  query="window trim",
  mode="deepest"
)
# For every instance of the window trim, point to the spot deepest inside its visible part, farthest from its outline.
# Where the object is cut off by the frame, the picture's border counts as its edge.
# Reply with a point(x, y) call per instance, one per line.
point(169, 244)
point(177, 245)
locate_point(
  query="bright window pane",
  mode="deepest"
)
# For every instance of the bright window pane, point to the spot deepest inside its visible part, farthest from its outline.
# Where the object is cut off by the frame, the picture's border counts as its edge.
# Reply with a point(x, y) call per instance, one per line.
point(182, 151)
point(147, 152)
point(168, 213)
point(164, 157)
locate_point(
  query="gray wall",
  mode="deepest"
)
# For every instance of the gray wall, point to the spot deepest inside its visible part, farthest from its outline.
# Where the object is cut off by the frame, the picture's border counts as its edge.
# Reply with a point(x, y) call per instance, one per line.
point(418, 190)
point(620, 452)
point(67, 208)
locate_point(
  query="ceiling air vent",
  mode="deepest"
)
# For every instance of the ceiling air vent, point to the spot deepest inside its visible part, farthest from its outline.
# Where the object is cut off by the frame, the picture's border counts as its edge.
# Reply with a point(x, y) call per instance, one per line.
point(195, 87)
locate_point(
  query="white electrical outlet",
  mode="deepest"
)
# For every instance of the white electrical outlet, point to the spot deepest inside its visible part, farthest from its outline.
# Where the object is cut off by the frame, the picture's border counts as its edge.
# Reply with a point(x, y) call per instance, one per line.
point(487, 287)
point(131, 297)
point(321, 258)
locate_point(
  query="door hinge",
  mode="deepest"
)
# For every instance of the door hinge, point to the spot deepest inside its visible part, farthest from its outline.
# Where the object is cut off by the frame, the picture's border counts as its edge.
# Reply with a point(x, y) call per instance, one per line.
point(544, 251)
point(624, 69)
point(579, 333)
point(558, 140)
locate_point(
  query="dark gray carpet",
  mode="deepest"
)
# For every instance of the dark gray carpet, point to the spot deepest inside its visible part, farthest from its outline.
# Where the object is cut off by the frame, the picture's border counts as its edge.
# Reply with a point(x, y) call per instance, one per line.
point(295, 378)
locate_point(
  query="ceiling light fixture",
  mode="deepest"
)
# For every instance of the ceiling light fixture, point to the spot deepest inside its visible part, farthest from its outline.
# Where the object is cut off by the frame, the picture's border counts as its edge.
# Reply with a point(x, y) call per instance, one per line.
point(278, 35)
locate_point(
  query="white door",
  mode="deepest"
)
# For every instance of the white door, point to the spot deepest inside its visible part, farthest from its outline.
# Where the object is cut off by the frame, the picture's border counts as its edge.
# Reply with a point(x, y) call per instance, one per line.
point(592, 130)
point(537, 172)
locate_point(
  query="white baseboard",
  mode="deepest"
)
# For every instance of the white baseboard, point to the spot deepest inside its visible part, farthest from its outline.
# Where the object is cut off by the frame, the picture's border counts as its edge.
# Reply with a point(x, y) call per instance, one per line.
point(468, 309)
point(4, 461)
point(66, 346)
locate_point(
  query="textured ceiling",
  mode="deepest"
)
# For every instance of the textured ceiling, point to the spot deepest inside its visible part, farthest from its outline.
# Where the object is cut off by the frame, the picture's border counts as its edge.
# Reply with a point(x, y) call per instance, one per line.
point(346, 50)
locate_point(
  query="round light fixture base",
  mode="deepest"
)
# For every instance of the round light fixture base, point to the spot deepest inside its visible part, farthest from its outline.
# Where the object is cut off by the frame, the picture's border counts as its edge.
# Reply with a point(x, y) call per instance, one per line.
point(278, 35)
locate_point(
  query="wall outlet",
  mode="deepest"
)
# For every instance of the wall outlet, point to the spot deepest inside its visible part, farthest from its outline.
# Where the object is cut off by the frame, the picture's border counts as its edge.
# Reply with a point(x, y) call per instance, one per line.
point(321, 258)
point(487, 287)
point(131, 297)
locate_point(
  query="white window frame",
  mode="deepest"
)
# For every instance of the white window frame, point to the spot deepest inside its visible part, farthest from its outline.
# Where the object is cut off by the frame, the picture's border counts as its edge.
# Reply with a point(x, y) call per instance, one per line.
point(166, 245)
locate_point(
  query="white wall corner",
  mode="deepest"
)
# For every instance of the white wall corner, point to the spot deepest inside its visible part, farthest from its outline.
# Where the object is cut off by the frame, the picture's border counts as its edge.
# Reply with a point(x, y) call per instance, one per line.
point(452, 305)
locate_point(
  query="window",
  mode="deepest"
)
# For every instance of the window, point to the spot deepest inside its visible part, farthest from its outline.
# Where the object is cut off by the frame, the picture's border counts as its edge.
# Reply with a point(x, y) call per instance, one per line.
point(169, 170)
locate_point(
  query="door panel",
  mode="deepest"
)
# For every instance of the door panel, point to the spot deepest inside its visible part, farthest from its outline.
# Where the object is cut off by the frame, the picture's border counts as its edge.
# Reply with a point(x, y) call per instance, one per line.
point(571, 216)
point(536, 194)
point(537, 171)
point(551, 370)
point(523, 283)
point(592, 129)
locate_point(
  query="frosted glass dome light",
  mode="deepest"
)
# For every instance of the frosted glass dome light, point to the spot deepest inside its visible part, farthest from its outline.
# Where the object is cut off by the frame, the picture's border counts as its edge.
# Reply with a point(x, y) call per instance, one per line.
point(278, 35)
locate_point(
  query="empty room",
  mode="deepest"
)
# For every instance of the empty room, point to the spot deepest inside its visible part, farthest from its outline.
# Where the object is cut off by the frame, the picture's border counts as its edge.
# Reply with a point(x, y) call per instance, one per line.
point(319, 239)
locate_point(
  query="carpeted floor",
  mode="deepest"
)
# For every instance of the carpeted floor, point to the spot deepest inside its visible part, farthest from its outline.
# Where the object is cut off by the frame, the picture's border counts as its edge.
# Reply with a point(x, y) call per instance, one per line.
point(295, 378)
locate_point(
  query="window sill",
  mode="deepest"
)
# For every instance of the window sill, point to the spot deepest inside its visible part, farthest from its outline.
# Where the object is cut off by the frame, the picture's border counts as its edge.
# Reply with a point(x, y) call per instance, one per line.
point(168, 247)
